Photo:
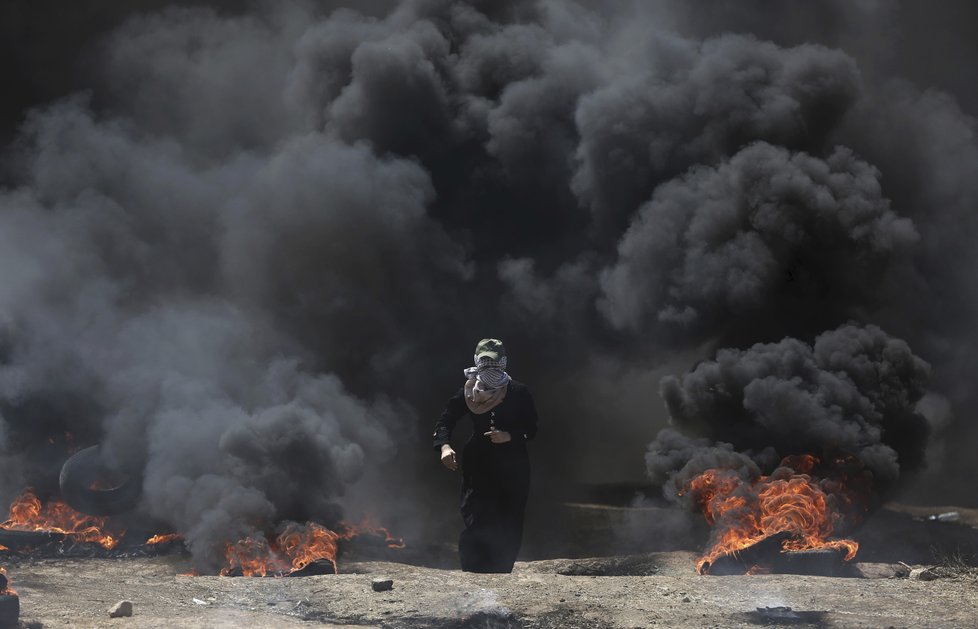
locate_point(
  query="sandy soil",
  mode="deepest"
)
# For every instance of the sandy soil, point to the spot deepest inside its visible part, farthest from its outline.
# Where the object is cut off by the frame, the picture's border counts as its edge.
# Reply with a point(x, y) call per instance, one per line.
point(643, 577)
point(78, 592)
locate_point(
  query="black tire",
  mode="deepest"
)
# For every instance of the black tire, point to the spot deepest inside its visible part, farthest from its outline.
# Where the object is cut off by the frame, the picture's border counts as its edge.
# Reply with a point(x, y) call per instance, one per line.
point(82, 471)
point(19, 540)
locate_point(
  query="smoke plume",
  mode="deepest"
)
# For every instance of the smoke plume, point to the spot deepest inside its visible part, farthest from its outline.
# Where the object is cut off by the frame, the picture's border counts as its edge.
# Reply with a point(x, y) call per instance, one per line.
point(249, 249)
point(853, 393)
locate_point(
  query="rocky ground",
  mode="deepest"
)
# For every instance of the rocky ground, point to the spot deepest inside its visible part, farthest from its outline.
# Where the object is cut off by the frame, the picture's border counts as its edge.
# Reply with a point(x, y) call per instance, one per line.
point(649, 589)
point(79, 592)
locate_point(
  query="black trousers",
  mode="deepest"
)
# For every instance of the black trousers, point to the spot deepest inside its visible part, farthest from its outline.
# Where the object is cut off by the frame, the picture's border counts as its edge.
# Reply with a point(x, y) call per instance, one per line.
point(495, 485)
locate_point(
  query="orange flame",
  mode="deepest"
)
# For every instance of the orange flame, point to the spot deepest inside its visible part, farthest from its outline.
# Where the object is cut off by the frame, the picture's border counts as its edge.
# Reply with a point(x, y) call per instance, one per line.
point(162, 539)
point(790, 501)
point(296, 547)
point(28, 514)
point(368, 526)
point(254, 557)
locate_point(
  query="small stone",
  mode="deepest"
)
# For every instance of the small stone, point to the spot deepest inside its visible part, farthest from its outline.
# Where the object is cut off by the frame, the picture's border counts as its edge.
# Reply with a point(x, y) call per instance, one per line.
point(923, 574)
point(382, 585)
point(686, 599)
point(122, 609)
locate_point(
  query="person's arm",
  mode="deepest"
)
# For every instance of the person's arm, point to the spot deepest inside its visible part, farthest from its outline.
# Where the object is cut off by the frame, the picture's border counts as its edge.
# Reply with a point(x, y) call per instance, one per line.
point(442, 437)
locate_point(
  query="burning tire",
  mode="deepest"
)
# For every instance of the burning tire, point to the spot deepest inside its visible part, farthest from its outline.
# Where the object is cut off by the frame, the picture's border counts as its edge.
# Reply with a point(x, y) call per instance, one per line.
point(89, 487)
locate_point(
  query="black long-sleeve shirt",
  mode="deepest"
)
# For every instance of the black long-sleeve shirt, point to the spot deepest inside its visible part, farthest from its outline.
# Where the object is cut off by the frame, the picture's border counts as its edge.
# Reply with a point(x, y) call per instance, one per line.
point(516, 414)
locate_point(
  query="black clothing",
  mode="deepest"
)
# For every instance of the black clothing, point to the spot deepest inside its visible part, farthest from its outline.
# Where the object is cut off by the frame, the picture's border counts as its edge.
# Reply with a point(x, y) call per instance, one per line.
point(495, 478)
point(516, 415)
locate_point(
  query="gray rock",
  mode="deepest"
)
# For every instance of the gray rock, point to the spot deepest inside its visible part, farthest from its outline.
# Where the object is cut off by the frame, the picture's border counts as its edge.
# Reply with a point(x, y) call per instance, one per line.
point(923, 574)
point(122, 609)
point(382, 585)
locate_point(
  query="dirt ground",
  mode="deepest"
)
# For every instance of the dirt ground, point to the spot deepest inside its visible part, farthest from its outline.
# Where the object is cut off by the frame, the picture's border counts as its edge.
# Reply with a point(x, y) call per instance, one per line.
point(78, 592)
point(627, 590)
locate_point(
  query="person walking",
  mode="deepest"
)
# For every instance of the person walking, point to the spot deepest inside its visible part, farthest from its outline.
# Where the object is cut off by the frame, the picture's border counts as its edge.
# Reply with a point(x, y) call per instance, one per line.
point(495, 462)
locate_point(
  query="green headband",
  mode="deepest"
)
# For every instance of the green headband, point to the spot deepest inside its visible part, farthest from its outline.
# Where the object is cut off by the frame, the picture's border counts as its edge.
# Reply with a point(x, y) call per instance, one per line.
point(490, 348)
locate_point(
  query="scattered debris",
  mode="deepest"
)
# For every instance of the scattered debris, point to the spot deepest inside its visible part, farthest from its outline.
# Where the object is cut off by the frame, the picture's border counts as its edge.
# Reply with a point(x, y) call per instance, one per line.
point(923, 574)
point(122, 609)
point(315, 567)
point(382, 585)
point(197, 601)
point(778, 613)
point(780, 616)
point(949, 516)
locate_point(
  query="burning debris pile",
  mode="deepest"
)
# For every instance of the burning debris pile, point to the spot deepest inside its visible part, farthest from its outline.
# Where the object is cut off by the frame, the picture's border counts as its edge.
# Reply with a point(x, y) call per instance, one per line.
point(790, 504)
point(55, 518)
point(54, 528)
point(296, 549)
point(834, 425)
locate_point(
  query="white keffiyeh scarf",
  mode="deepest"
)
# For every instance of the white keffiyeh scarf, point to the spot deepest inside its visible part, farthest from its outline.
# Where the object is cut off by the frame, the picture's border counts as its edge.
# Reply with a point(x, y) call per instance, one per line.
point(485, 384)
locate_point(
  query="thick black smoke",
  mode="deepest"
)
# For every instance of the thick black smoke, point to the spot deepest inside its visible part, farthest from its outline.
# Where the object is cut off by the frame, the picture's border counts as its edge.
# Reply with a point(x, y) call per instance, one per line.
point(853, 393)
point(253, 255)
point(767, 231)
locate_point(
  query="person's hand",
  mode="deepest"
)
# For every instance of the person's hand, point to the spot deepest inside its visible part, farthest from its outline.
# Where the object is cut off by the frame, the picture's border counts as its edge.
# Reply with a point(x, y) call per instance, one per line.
point(448, 457)
point(498, 436)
